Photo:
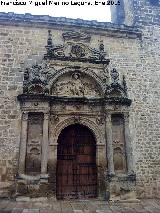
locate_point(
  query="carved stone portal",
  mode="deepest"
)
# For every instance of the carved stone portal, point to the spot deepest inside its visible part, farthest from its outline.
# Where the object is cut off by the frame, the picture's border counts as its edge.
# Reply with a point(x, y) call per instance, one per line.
point(59, 83)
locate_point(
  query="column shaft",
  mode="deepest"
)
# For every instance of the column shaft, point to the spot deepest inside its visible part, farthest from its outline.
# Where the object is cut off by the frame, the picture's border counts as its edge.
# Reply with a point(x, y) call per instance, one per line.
point(129, 153)
point(109, 145)
point(23, 143)
point(45, 145)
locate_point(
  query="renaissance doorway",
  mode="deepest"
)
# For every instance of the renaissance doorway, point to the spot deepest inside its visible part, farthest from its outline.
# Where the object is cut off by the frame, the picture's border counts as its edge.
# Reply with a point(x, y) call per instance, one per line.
point(76, 176)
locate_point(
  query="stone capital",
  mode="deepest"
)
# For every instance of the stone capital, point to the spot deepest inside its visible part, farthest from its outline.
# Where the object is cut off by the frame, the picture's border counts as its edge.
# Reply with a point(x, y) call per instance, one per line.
point(126, 117)
point(108, 117)
point(46, 116)
point(25, 116)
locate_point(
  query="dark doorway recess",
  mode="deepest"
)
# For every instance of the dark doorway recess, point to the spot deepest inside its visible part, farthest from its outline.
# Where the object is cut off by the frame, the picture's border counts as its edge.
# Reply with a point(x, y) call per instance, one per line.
point(76, 164)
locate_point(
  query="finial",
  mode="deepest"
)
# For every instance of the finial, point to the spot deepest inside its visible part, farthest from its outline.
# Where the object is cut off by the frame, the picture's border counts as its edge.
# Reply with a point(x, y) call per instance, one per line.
point(114, 75)
point(101, 46)
point(49, 41)
point(124, 84)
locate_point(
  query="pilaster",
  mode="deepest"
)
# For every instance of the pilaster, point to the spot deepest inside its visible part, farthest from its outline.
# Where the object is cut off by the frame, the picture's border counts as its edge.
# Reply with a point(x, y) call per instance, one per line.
point(109, 145)
point(23, 142)
point(129, 153)
point(45, 145)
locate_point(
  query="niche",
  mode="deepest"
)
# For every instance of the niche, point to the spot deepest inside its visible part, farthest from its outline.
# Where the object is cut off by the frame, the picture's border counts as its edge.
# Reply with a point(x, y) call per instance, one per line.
point(34, 142)
point(119, 148)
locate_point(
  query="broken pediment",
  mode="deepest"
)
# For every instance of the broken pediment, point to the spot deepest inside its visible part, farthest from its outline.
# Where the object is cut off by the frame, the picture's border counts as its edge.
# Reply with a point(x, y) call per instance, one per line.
point(72, 51)
point(76, 85)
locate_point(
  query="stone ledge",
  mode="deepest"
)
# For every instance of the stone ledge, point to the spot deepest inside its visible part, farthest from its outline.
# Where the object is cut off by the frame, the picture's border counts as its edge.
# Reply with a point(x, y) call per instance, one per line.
point(29, 199)
point(50, 22)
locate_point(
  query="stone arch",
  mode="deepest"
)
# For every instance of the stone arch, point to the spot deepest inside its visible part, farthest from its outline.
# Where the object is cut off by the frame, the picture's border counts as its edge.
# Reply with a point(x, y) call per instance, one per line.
point(82, 121)
point(76, 157)
point(88, 72)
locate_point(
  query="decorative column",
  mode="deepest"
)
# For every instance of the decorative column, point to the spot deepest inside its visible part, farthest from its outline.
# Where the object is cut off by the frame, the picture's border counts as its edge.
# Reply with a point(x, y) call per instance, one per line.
point(129, 153)
point(44, 159)
point(23, 142)
point(109, 145)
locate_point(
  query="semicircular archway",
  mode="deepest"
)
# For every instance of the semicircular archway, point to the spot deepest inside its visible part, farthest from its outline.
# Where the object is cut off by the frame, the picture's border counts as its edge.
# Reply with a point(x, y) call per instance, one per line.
point(76, 173)
point(76, 83)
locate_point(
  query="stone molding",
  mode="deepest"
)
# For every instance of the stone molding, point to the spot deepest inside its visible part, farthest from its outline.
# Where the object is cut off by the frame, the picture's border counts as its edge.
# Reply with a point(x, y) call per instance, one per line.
point(80, 120)
point(54, 22)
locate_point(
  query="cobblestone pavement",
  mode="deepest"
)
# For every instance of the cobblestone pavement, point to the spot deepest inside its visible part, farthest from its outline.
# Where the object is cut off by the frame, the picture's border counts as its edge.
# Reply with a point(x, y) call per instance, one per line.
point(88, 206)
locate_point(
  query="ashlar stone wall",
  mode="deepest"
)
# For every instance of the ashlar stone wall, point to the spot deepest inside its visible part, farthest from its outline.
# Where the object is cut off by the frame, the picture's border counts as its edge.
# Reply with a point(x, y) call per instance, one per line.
point(133, 52)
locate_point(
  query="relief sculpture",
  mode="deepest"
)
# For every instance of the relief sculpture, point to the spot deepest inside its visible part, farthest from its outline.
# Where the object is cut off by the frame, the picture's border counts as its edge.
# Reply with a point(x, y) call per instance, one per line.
point(75, 85)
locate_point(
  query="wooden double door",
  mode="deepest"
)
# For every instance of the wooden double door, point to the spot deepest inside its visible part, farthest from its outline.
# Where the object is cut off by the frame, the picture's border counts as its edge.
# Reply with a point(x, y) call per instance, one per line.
point(76, 176)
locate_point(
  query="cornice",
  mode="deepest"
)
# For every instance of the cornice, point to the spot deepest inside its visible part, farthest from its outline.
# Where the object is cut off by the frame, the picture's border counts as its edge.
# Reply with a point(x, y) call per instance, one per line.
point(45, 21)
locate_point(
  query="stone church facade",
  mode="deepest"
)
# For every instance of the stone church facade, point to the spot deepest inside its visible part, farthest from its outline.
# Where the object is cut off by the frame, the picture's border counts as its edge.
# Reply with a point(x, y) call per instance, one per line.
point(79, 105)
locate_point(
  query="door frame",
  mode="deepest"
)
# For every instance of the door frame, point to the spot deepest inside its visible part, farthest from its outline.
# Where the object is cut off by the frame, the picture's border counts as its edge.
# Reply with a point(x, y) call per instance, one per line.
point(101, 160)
point(92, 144)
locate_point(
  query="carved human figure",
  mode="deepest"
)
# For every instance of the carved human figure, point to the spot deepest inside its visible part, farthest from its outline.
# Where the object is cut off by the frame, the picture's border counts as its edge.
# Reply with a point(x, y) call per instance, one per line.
point(77, 87)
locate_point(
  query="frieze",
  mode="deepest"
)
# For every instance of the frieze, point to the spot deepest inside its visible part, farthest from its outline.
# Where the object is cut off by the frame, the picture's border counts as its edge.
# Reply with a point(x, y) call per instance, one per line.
point(34, 105)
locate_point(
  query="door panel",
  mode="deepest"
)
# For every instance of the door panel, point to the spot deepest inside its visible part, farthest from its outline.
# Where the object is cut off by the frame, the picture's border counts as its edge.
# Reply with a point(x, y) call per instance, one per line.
point(76, 163)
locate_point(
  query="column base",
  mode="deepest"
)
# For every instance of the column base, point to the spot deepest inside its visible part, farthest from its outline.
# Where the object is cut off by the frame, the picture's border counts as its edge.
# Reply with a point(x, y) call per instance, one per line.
point(121, 187)
point(32, 186)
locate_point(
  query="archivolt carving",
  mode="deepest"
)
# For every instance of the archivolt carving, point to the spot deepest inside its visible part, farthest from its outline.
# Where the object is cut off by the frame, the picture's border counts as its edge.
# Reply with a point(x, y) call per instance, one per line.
point(80, 120)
